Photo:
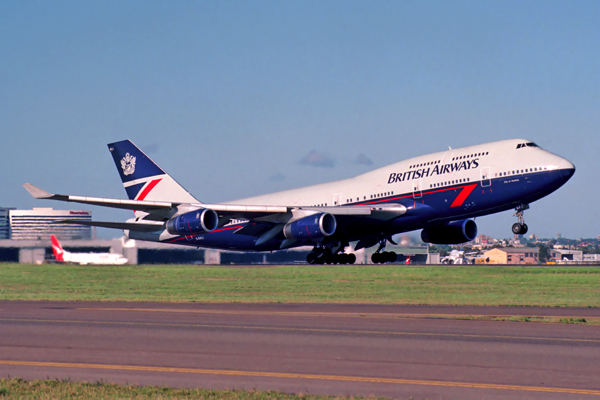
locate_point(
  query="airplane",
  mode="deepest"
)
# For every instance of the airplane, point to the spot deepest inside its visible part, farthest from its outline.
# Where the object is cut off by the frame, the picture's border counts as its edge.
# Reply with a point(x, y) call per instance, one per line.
point(62, 255)
point(439, 194)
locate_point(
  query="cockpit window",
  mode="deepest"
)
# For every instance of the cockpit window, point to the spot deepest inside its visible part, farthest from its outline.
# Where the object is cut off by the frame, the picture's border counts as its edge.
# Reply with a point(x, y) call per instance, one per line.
point(530, 144)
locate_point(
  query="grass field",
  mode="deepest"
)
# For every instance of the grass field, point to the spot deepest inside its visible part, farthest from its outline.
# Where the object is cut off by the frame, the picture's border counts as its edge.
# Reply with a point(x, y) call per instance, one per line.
point(434, 285)
point(53, 389)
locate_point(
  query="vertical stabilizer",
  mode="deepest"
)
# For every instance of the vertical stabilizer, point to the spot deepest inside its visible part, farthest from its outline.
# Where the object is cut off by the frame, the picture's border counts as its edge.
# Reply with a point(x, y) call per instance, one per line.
point(143, 179)
point(59, 253)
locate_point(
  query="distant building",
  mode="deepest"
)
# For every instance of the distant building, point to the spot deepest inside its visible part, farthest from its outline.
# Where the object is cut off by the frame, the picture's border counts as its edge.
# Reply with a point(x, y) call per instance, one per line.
point(513, 255)
point(483, 240)
point(566, 255)
point(592, 258)
point(4, 223)
point(40, 223)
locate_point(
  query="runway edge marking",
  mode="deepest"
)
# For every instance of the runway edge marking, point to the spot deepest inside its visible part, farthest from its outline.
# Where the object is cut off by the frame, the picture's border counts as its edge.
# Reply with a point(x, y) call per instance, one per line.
point(301, 376)
point(335, 314)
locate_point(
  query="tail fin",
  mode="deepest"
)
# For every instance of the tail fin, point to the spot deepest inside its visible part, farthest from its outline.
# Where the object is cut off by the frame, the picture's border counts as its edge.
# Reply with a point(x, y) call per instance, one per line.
point(143, 179)
point(59, 253)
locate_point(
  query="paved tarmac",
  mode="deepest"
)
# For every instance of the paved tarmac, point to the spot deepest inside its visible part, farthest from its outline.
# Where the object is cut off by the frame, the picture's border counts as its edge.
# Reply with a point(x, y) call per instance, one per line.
point(393, 351)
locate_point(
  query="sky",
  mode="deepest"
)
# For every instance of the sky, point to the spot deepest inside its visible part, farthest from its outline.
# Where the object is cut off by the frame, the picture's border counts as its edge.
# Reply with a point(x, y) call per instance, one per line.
point(238, 98)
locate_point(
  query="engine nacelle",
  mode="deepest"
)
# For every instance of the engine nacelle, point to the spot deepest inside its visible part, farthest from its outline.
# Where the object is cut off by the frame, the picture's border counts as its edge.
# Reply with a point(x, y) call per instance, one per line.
point(314, 226)
point(453, 233)
point(193, 222)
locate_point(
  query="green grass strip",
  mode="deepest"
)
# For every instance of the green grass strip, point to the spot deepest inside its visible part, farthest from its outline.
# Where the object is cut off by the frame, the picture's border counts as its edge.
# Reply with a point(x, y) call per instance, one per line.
point(16, 388)
point(434, 285)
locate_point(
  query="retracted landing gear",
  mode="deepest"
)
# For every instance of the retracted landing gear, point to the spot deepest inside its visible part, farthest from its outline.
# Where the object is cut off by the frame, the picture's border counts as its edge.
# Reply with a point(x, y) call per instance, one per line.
point(382, 257)
point(520, 228)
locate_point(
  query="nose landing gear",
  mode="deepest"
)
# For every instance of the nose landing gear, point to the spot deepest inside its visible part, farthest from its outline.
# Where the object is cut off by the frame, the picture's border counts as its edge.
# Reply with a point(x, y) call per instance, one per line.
point(520, 228)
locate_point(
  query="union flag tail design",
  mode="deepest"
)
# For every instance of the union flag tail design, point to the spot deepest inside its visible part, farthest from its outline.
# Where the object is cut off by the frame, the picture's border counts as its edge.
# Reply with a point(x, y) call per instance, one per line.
point(143, 179)
point(59, 253)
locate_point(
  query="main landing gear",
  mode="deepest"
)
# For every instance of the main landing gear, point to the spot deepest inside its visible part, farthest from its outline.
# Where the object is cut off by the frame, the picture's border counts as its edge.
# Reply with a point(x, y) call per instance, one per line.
point(520, 228)
point(324, 255)
point(382, 257)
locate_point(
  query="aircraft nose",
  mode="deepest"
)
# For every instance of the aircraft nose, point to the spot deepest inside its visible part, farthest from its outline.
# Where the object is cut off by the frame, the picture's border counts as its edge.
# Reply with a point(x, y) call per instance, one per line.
point(566, 168)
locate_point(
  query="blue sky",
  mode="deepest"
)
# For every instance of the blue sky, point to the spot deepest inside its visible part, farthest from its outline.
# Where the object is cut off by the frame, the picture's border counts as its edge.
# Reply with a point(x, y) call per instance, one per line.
point(235, 98)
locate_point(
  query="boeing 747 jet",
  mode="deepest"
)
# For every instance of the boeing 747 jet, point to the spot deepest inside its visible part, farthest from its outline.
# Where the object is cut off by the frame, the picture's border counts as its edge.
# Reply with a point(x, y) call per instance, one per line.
point(438, 193)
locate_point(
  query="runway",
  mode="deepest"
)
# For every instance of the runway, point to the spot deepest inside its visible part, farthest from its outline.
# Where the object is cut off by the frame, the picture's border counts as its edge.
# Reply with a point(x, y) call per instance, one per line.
point(393, 351)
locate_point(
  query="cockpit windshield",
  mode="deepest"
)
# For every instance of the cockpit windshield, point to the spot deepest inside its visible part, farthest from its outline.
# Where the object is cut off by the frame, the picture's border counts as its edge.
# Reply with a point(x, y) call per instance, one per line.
point(529, 144)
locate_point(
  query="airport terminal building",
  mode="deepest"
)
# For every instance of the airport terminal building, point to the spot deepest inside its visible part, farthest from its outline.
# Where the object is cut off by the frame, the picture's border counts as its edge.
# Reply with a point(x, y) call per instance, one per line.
point(40, 223)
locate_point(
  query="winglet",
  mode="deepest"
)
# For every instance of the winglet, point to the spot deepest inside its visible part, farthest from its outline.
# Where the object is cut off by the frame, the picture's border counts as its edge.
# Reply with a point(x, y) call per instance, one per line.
point(37, 192)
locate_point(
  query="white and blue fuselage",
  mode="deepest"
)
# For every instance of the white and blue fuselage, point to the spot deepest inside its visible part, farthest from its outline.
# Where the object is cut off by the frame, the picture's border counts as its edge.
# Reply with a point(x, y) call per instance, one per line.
point(439, 193)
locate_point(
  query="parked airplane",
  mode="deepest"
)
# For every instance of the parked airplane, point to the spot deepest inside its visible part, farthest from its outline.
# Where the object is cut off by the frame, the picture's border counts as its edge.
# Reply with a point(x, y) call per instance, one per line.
point(439, 193)
point(85, 258)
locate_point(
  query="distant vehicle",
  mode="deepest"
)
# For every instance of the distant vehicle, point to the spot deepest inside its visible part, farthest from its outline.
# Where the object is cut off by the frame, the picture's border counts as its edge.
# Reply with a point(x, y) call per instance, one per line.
point(438, 193)
point(455, 257)
point(459, 257)
point(62, 255)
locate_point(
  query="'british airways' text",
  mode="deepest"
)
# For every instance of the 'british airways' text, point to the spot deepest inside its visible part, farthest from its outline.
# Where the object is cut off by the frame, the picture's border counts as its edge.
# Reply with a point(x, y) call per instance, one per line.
point(432, 171)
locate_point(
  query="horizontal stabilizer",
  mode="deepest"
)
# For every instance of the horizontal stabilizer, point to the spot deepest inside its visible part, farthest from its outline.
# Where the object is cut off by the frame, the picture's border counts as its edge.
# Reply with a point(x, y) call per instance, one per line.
point(132, 226)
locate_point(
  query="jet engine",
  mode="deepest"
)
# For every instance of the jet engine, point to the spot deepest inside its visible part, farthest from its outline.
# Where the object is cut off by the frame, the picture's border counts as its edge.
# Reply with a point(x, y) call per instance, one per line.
point(314, 226)
point(193, 222)
point(453, 233)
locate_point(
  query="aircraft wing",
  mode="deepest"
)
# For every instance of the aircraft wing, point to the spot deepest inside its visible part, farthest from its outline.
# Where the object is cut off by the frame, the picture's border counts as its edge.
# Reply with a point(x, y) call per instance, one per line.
point(166, 209)
point(248, 212)
point(160, 211)
point(147, 206)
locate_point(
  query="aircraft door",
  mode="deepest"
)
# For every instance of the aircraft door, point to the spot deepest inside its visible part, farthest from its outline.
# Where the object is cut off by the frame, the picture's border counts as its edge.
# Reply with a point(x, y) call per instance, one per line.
point(486, 179)
point(417, 188)
point(337, 199)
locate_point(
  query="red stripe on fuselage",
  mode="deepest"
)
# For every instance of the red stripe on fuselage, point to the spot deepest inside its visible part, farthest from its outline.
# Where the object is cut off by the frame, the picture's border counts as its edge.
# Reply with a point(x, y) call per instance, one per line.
point(462, 196)
point(425, 192)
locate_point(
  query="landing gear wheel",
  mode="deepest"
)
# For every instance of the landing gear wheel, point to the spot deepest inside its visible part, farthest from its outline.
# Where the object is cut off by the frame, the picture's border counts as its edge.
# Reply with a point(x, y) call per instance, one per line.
point(323, 256)
point(519, 229)
point(332, 259)
point(342, 258)
point(311, 258)
point(384, 257)
point(375, 258)
point(516, 228)
point(391, 256)
point(351, 258)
